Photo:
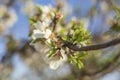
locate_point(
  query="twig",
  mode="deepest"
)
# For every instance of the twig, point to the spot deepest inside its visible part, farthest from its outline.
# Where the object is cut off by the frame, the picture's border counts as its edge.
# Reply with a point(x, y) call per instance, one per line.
point(93, 47)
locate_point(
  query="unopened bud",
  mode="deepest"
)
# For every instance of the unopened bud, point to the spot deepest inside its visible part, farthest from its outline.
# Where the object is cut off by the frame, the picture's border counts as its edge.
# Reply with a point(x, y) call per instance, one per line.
point(59, 15)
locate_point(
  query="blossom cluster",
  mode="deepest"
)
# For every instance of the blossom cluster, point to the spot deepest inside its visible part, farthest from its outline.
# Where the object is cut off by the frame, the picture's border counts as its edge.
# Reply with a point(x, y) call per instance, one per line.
point(49, 28)
point(43, 31)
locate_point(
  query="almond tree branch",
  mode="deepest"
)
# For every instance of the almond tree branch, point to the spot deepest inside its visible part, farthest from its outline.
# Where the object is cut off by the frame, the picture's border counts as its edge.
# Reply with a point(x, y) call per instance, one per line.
point(93, 47)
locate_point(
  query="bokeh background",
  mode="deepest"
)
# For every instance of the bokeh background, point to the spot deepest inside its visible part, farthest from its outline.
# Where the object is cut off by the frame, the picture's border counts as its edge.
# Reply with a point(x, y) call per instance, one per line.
point(28, 65)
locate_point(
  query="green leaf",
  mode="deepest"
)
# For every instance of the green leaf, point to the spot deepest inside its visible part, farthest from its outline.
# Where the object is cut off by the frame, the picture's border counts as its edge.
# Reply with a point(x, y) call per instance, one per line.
point(63, 31)
point(51, 43)
point(51, 52)
point(83, 55)
point(36, 40)
point(76, 58)
point(80, 64)
point(72, 59)
point(64, 38)
point(32, 21)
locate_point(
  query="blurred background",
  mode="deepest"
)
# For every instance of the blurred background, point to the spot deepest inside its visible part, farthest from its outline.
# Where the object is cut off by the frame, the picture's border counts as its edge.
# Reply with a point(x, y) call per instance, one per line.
point(18, 62)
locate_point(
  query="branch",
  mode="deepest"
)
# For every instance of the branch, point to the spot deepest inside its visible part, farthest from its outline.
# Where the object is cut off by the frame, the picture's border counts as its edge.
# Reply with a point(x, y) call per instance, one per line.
point(93, 47)
point(56, 17)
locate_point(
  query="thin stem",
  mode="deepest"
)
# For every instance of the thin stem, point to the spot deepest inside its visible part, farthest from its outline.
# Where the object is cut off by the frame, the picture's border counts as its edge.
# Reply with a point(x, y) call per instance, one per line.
point(93, 47)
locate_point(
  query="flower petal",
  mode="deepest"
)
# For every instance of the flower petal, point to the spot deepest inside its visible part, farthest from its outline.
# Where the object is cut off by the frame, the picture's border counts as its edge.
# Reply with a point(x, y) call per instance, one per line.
point(47, 33)
point(64, 56)
point(40, 25)
point(55, 64)
point(37, 34)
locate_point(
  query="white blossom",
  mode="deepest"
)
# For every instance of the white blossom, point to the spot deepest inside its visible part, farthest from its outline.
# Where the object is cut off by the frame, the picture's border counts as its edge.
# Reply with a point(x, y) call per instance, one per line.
point(12, 18)
point(47, 14)
point(41, 31)
point(29, 8)
point(47, 33)
point(40, 25)
point(56, 61)
point(7, 18)
point(37, 34)
point(45, 9)
point(41, 34)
